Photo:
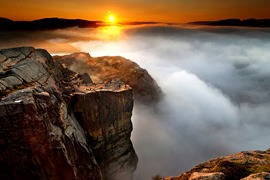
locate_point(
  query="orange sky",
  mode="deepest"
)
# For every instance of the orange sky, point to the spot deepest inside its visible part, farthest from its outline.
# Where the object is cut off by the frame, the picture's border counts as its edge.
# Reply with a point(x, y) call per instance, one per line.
point(137, 10)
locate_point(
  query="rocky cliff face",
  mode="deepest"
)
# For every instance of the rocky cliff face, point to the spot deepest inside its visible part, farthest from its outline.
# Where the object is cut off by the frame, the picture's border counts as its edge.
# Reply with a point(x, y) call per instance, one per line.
point(108, 131)
point(251, 165)
point(103, 69)
point(55, 126)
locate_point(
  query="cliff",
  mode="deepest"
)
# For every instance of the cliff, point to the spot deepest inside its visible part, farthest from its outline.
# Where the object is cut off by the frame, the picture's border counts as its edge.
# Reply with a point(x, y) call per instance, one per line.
point(247, 165)
point(109, 139)
point(56, 124)
point(103, 69)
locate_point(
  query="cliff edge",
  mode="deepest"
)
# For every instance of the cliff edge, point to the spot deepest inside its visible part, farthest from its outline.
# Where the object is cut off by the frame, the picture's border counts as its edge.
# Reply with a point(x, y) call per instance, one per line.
point(246, 165)
point(57, 124)
point(103, 69)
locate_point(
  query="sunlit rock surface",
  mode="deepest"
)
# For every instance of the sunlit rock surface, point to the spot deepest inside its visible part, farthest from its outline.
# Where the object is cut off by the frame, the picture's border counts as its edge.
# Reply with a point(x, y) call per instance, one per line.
point(57, 124)
point(258, 176)
point(103, 69)
point(247, 165)
point(207, 176)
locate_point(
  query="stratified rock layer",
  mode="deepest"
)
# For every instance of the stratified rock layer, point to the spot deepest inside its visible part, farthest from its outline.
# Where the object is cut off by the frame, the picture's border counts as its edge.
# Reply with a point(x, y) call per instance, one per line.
point(234, 167)
point(55, 126)
point(107, 122)
point(39, 140)
point(103, 69)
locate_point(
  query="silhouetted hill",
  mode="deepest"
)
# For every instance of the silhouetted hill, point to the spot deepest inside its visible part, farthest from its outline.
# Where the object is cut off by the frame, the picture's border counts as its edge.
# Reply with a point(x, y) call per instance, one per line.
point(5, 20)
point(45, 24)
point(236, 22)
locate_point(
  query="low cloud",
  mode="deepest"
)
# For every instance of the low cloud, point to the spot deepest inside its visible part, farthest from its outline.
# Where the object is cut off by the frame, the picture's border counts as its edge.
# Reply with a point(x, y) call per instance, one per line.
point(216, 82)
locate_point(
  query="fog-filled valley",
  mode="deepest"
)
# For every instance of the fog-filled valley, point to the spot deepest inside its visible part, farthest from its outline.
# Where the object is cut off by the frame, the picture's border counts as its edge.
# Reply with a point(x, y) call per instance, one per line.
point(216, 85)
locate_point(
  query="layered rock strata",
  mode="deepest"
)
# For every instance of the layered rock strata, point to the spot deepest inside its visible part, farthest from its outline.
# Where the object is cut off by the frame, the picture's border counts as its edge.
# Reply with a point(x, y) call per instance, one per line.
point(108, 131)
point(56, 124)
point(40, 140)
point(103, 69)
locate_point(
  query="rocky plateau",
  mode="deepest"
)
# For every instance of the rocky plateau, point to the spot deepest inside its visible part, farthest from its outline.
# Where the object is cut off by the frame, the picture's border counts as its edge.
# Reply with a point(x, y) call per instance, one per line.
point(104, 69)
point(58, 124)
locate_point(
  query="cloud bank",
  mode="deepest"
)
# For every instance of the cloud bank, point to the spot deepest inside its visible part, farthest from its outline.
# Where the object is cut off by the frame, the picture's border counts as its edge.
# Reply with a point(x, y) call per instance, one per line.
point(216, 83)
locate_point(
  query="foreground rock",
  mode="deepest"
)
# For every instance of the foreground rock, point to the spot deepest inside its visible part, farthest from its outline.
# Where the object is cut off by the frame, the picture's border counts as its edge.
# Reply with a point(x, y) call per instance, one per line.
point(247, 165)
point(54, 125)
point(258, 176)
point(207, 176)
point(103, 69)
point(109, 139)
point(40, 140)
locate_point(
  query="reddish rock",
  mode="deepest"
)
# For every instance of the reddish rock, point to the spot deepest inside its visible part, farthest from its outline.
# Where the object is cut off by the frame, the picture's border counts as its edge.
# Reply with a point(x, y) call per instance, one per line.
point(104, 69)
point(40, 140)
point(54, 126)
point(235, 166)
point(106, 117)
point(258, 176)
point(207, 176)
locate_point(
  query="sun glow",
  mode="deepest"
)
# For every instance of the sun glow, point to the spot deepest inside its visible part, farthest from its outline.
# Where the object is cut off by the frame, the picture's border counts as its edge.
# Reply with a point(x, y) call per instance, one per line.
point(111, 32)
point(111, 18)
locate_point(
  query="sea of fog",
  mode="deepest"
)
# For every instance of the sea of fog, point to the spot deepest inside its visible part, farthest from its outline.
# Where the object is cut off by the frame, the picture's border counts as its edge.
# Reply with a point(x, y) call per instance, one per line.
point(216, 83)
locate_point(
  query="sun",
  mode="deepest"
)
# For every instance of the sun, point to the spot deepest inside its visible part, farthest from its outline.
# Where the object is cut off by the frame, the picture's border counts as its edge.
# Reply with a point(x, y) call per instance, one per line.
point(111, 18)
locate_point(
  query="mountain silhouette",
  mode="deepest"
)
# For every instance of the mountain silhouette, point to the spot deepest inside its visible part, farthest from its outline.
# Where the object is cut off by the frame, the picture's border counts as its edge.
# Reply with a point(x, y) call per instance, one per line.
point(264, 23)
point(45, 24)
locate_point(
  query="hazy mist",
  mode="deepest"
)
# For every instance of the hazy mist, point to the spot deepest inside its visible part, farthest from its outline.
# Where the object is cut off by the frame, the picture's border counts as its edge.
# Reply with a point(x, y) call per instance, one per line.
point(216, 83)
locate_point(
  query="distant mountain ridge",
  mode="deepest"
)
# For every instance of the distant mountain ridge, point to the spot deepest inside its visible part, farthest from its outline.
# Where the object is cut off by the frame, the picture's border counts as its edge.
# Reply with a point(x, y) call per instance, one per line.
point(58, 23)
point(45, 24)
point(61, 23)
point(263, 23)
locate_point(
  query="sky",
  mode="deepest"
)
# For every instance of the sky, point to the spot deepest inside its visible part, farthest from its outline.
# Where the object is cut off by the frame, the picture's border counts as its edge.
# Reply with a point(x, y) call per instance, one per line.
point(139, 10)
